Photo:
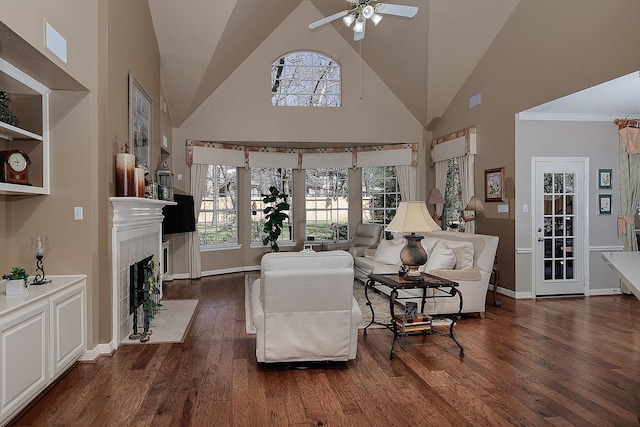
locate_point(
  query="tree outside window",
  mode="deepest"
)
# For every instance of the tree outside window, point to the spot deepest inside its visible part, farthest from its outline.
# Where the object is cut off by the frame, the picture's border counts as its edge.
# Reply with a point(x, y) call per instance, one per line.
point(217, 223)
point(453, 194)
point(327, 203)
point(305, 79)
point(380, 194)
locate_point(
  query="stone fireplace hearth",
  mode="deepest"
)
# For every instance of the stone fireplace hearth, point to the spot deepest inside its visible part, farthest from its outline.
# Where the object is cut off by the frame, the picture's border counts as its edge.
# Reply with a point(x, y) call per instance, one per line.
point(135, 235)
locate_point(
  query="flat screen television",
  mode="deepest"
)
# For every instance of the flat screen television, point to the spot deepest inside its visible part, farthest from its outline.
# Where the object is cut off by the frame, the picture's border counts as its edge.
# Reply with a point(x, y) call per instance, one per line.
point(179, 218)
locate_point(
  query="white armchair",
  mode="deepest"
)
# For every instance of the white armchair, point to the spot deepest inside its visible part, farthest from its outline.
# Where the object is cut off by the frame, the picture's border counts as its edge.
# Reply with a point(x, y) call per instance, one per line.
point(303, 308)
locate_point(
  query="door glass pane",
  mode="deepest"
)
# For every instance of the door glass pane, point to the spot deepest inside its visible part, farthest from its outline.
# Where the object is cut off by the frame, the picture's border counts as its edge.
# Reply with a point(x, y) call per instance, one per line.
point(568, 183)
point(547, 270)
point(559, 202)
point(558, 179)
point(548, 179)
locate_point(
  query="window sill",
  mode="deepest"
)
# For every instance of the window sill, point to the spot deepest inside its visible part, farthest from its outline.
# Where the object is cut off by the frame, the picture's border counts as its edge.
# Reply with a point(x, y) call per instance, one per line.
point(220, 247)
point(284, 244)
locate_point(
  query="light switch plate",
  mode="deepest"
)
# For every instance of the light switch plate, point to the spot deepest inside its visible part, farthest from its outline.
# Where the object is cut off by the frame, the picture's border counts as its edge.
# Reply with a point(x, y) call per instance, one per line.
point(77, 213)
point(503, 208)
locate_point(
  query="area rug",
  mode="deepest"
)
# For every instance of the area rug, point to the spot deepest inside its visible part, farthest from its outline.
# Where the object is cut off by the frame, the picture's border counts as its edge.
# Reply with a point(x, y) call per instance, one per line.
point(379, 302)
point(170, 323)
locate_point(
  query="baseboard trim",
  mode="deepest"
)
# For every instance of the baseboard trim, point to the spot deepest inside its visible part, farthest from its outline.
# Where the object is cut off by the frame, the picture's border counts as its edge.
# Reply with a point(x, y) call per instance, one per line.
point(605, 291)
point(97, 351)
point(231, 270)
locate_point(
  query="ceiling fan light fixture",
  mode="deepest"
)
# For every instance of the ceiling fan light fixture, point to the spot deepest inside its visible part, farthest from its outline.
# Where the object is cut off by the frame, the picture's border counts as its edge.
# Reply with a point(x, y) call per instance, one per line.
point(359, 26)
point(376, 19)
point(348, 20)
point(368, 11)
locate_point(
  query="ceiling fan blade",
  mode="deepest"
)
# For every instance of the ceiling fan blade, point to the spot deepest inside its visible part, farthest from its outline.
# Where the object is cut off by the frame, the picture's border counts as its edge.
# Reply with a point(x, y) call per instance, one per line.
point(397, 9)
point(328, 19)
point(359, 36)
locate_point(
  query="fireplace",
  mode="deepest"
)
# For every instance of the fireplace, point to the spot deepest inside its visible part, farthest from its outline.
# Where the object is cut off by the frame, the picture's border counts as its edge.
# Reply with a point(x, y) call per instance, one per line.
point(144, 296)
point(136, 235)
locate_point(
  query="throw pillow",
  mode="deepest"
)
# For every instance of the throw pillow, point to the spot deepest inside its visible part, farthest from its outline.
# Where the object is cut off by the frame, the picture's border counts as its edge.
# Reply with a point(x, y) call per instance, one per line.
point(442, 258)
point(463, 252)
point(428, 243)
point(388, 251)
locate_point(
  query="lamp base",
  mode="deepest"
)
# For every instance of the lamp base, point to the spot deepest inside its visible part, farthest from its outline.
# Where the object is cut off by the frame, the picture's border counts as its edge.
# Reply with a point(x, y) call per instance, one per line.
point(413, 274)
point(413, 256)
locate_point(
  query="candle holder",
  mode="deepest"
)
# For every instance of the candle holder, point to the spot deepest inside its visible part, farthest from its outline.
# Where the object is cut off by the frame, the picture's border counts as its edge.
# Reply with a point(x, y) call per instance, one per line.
point(39, 246)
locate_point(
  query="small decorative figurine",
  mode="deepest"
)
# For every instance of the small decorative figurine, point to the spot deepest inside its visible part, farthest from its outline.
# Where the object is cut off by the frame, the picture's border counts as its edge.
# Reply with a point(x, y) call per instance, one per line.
point(6, 116)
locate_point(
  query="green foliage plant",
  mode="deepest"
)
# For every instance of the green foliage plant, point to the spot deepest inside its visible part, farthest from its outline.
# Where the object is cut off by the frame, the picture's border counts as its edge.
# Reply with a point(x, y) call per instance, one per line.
point(275, 215)
point(17, 273)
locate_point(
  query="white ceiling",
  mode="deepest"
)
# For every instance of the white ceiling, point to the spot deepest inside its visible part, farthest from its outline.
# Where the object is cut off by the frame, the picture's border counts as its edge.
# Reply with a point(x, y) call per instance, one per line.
point(618, 98)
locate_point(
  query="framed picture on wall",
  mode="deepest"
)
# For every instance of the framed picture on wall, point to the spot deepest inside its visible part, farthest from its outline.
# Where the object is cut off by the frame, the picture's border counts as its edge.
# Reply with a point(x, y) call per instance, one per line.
point(140, 122)
point(494, 185)
point(604, 178)
point(604, 204)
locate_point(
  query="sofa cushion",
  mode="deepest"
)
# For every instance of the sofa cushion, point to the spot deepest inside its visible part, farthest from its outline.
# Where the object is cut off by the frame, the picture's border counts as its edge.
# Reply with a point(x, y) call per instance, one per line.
point(388, 251)
point(463, 252)
point(442, 258)
point(370, 253)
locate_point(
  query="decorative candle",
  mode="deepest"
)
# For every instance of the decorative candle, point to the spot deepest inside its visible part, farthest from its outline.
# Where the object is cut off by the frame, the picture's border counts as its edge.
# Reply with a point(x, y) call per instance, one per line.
point(125, 179)
point(139, 178)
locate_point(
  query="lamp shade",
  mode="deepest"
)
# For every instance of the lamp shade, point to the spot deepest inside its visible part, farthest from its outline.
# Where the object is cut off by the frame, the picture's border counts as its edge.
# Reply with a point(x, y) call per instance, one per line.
point(475, 204)
point(412, 217)
point(435, 197)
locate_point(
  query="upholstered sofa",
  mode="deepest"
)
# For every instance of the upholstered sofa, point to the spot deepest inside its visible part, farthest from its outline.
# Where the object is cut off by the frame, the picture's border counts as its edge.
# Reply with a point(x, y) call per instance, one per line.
point(303, 308)
point(465, 258)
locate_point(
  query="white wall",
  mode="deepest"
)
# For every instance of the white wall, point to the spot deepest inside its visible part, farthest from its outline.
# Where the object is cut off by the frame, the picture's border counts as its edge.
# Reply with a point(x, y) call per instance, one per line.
point(599, 142)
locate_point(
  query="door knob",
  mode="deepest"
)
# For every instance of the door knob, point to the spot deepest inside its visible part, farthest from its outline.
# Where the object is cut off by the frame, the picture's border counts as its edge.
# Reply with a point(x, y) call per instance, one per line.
point(540, 239)
point(539, 230)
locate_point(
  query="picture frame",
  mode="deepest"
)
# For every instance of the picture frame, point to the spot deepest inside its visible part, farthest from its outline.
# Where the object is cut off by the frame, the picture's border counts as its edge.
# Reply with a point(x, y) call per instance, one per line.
point(604, 178)
point(140, 123)
point(494, 185)
point(604, 204)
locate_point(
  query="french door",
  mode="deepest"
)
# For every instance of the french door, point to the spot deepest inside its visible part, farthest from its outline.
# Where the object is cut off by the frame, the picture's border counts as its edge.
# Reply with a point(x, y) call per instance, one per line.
point(559, 226)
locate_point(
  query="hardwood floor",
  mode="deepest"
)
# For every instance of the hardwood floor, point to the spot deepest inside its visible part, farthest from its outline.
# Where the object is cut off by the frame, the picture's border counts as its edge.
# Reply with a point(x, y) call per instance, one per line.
point(552, 362)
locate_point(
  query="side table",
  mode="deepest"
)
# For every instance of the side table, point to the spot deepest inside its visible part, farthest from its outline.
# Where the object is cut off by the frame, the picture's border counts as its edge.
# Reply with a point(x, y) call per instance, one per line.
point(440, 288)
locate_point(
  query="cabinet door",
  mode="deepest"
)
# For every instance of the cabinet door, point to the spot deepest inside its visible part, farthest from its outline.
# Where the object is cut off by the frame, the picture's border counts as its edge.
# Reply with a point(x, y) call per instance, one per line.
point(23, 357)
point(68, 328)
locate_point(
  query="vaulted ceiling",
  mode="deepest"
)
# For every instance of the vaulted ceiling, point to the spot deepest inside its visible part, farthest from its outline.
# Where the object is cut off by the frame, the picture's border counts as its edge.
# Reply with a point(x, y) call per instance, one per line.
point(423, 60)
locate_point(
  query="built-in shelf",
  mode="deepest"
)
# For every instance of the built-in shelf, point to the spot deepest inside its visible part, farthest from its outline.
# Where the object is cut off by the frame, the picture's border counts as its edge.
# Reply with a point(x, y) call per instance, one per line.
point(29, 101)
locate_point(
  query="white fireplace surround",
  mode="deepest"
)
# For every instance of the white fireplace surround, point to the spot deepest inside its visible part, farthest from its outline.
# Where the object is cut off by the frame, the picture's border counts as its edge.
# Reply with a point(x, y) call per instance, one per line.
point(136, 233)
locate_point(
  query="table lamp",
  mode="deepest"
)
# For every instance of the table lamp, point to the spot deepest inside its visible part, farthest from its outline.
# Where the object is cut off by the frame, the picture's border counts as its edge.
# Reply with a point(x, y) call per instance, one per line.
point(413, 217)
point(475, 205)
point(435, 197)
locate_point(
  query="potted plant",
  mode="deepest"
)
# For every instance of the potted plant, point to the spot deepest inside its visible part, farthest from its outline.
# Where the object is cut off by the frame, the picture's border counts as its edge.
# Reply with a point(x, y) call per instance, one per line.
point(274, 215)
point(17, 281)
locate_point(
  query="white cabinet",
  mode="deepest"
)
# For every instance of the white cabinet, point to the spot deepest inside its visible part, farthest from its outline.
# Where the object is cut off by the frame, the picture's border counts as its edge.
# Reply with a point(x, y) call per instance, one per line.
point(30, 103)
point(68, 328)
point(23, 357)
point(42, 333)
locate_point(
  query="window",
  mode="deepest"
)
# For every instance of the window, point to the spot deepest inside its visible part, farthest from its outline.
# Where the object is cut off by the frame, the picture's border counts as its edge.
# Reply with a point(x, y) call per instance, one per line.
point(305, 79)
point(380, 194)
point(217, 223)
point(261, 180)
point(327, 204)
point(453, 193)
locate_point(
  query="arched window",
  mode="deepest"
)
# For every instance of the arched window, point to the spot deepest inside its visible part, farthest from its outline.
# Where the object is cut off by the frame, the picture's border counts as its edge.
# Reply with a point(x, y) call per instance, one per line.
point(305, 79)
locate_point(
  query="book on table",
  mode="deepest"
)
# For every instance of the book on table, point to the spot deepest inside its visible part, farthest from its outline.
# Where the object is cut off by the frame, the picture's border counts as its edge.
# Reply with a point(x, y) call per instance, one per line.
point(420, 322)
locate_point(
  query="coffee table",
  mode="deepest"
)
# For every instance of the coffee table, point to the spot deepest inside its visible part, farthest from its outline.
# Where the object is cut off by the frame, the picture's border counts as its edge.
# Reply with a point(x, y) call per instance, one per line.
point(439, 288)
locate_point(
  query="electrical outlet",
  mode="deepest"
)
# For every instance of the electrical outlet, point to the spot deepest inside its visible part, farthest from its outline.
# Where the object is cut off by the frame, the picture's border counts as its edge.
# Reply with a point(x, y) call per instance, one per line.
point(525, 208)
point(77, 213)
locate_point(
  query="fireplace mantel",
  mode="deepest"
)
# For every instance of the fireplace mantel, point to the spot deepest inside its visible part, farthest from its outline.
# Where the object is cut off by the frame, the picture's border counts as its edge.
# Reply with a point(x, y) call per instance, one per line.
point(137, 211)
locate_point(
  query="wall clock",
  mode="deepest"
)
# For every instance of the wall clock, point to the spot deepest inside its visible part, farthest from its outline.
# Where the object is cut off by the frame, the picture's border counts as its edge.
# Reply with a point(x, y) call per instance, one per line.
point(14, 167)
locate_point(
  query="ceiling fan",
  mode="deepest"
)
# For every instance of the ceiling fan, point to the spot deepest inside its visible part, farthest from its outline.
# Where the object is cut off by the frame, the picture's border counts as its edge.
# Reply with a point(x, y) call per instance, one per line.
point(362, 10)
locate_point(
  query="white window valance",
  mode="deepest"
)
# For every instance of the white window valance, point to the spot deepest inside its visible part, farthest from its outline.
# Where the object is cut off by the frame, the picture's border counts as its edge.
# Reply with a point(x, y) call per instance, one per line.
point(260, 159)
point(400, 157)
point(455, 145)
point(217, 156)
point(214, 153)
point(327, 160)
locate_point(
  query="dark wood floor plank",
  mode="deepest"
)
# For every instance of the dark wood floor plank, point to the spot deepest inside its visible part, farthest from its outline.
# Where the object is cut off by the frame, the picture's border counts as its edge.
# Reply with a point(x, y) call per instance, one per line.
point(550, 362)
